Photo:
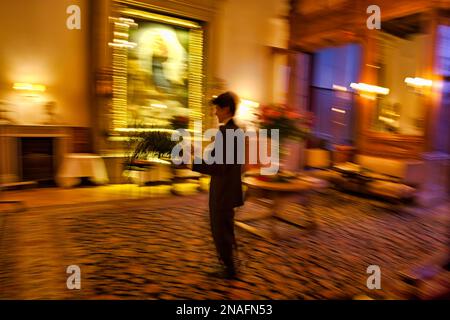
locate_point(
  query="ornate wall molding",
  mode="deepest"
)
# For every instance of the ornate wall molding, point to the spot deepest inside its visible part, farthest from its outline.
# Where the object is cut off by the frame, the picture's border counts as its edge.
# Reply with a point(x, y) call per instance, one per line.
point(331, 23)
point(393, 146)
point(194, 9)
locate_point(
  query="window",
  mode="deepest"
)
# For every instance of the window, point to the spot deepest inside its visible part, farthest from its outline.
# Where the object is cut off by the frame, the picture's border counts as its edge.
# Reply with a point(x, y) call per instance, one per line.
point(331, 100)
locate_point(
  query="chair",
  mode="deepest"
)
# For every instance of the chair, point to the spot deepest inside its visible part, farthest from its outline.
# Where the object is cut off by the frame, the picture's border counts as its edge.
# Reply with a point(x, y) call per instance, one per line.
point(317, 164)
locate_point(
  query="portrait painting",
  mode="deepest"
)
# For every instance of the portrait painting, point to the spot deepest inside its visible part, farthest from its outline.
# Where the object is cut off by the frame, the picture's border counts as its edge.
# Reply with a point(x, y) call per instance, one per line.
point(158, 74)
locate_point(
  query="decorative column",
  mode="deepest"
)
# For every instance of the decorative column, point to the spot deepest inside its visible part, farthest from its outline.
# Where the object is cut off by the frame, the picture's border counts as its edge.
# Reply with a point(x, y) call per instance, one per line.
point(364, 108)
point(298, 98)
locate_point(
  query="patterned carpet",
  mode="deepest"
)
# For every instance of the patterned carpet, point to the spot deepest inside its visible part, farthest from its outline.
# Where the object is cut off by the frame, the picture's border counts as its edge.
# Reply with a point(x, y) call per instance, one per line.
point(162, 249)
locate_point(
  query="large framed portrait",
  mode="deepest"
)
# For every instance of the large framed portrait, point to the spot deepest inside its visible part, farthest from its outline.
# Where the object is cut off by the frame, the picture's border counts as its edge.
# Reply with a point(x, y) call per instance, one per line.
point(157, 71)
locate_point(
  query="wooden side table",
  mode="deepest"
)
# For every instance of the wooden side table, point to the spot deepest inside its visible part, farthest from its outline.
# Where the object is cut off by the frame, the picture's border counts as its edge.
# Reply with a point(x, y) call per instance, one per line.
point(276, 194)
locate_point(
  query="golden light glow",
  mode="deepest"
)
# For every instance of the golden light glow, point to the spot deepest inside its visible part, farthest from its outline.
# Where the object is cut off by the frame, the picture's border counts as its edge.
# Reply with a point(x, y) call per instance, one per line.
point(123, 22)
point(196, 74)
point(386, 119)
point(121, 35)
point(369, 96)
point(129, 45)
point(369, 88)
point(249, 104)
point(338, 110)
point(158, 105)
point(143, 130)
point(29, 87)
point(161, 18)
point(247, 111)
point(120, 47)
point(339, 88)
point(127, 21)
point(418, 82)
point(157, 160)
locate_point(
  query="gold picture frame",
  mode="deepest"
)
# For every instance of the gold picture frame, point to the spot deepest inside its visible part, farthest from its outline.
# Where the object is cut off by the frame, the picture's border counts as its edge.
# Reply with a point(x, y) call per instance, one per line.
point(128, 12)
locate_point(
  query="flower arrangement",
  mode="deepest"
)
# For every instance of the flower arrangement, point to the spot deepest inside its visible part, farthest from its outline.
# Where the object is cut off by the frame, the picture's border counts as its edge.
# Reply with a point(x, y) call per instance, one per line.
point(179, 122)
point(292, 125)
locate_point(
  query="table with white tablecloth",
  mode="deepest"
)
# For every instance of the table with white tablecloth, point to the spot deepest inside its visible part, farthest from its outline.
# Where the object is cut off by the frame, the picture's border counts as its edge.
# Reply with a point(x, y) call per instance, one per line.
point(81, 165)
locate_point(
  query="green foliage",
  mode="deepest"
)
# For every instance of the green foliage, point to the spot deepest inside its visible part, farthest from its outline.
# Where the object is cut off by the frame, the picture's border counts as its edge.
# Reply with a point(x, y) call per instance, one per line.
point(156, 143)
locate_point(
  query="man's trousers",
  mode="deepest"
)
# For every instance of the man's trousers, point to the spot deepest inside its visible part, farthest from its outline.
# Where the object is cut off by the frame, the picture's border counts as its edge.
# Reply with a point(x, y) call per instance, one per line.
point(222, 228)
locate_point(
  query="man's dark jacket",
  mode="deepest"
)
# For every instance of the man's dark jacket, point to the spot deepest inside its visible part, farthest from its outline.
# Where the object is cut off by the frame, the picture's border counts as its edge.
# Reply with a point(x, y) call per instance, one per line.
point(225, 189)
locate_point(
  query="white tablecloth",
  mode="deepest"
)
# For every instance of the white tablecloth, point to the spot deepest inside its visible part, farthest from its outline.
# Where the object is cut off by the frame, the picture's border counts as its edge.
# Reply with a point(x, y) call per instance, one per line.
point(81, 165)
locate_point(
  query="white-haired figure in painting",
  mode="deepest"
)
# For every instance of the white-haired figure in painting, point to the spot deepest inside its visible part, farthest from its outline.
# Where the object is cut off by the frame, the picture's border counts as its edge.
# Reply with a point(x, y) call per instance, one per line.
point(157, 74)
point(162, 54)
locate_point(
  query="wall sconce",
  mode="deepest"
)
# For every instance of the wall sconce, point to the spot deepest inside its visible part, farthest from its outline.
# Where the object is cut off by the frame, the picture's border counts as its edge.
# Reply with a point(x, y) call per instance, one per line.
point(368, 88)
point(30, 90)
point(418, 82)
point(369, 91)
point(30, 87)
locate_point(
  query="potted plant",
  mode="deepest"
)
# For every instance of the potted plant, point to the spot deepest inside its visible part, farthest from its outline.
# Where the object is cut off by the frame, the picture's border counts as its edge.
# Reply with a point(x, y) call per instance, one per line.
point(292, 126)
point(157, 144)
point(150, 160)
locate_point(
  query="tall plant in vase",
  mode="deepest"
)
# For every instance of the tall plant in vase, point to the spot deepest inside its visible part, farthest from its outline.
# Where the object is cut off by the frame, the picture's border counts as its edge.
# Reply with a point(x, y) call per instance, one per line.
point(292, 126)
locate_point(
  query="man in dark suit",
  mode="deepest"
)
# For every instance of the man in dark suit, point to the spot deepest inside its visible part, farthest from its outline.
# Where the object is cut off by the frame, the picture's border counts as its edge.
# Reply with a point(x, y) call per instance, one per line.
point(225, 192)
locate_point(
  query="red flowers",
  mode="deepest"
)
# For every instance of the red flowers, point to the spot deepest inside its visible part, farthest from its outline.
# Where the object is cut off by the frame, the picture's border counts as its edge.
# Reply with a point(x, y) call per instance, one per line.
point(290, 123)
point(293, 115)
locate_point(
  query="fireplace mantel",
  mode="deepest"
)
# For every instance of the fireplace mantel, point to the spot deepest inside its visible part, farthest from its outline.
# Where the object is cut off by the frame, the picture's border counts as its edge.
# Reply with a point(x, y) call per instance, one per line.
point(35, 131)
point(10, 135)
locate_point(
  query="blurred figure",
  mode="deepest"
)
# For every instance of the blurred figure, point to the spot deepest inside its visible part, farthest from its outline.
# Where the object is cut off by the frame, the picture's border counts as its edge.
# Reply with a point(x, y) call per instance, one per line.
point(160, 56)
point(225, 191)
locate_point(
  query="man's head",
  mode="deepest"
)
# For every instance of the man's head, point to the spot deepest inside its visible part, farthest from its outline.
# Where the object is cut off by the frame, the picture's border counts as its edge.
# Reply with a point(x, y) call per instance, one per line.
point(225, 104)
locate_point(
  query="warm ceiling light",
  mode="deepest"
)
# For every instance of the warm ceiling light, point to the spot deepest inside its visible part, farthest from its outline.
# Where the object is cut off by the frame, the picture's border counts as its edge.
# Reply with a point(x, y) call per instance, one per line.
point(369, 88)
point(29, 87)
point(418, 82)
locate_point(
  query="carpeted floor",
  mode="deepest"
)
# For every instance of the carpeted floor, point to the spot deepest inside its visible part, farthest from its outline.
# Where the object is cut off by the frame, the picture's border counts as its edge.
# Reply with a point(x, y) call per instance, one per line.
point(162, 249)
